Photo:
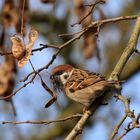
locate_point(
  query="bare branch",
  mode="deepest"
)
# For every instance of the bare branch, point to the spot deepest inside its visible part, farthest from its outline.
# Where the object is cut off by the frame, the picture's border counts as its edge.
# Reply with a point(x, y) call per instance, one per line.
point(70, 34)
point(45, 122)
point(15, 92)
point(128, 113)
point(114, 75)
point(116, 128)
point(90, 11)
point(34, 50)
point(5, 53)
point(130, 127)
point(79, 126)
point(66, 44)
point(93, 24)
point(60, 48)
point(49, 46)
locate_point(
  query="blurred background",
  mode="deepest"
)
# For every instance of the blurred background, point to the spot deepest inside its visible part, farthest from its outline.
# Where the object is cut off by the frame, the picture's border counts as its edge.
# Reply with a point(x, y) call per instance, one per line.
point(95, 53)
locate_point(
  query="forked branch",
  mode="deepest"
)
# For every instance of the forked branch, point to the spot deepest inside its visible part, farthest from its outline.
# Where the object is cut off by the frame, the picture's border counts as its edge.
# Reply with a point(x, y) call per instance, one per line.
point(114, 75)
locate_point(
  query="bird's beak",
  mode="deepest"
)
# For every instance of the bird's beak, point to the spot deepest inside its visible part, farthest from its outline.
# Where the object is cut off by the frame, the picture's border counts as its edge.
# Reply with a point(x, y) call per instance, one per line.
point(52, 77)
point(55, 81)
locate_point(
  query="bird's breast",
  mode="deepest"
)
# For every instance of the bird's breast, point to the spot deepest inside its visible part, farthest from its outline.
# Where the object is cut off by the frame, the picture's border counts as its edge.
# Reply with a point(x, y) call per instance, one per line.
point(84, 96)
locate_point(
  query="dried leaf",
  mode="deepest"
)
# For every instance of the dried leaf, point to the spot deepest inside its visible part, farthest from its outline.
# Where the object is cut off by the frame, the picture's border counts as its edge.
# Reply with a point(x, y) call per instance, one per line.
point(54, 97)
point(90, 46)
point(3, 81)
point(33, 35)
point(18, 49)
point(23, 52)
point(7, 76)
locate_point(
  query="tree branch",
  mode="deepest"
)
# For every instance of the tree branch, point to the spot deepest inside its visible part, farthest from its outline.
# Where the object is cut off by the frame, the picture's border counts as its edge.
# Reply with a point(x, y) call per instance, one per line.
point(66, 44)
point(116, 128)
point(114, 75)
point(130, 127)
point(93, 24)
point(97, 2)
point(45, 122)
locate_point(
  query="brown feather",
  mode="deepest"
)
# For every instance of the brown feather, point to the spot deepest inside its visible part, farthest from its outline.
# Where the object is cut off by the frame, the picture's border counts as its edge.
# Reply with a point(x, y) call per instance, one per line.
point(82, 79)
point(65, 67)
point(84, 86)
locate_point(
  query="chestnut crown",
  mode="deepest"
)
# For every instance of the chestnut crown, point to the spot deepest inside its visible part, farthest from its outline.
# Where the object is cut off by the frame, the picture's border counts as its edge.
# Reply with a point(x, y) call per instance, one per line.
point(61, 69)
point(60, 75)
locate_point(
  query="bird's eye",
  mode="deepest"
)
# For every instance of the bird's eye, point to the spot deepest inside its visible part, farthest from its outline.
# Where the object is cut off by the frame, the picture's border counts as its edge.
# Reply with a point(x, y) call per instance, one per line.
point(66, 76)
point(52, 77)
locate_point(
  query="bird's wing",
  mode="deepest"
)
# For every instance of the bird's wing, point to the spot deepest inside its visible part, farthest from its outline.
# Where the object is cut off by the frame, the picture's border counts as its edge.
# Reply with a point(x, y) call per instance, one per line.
point(82, 78)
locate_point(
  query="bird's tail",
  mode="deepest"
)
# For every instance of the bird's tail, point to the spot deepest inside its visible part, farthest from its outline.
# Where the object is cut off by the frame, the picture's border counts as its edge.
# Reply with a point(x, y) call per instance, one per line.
point(116, 85)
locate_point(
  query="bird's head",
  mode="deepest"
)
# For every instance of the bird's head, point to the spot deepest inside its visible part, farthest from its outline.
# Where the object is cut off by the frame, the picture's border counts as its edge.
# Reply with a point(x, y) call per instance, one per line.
point(60, 75)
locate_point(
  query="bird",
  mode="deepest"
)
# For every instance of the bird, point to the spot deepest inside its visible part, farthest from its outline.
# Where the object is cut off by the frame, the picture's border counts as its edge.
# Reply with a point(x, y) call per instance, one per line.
point(80, 85)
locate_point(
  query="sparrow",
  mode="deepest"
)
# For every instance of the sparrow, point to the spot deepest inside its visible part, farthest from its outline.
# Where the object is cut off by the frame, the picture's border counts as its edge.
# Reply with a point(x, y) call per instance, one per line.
point(80, 85)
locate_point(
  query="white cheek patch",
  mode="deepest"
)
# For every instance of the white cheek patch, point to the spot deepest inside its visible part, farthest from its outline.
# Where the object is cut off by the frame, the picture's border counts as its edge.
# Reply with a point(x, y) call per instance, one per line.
point(64, 77)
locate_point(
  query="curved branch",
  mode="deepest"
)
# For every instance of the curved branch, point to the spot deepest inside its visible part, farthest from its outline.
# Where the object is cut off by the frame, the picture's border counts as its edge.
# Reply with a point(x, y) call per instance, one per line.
point(116, 128)
point(45, 122)
point(93, 24)
point(114, 75)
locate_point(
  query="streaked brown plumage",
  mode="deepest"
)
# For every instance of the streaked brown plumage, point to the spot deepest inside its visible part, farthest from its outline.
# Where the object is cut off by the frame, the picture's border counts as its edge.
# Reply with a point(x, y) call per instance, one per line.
point(80, 85)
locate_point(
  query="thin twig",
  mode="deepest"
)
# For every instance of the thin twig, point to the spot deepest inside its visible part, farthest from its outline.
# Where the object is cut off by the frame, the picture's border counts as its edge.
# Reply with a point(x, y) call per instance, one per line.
point(22, 18)
point(116, 128)
point(5, 53)
point(97, 2)
point(130, 127)
point(90, 11)
point(126, 132)
point(128, 113)
point(20, 88)
point(49, 46)
point(45, 122)
point(61, 47)
point(93, 24)
point(69, 34)
point(34, 50)
point(51, 92)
